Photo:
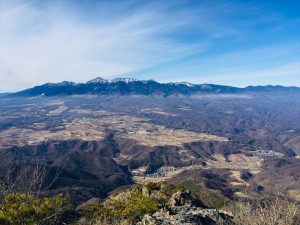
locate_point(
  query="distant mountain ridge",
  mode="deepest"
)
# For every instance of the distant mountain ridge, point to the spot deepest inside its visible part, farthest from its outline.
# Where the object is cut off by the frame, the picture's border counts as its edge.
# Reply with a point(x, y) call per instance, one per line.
point(127, 86)
point(4, 94)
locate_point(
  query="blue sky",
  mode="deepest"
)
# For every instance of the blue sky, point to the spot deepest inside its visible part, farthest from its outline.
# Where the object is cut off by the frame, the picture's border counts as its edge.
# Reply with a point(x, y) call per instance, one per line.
point(236, 43)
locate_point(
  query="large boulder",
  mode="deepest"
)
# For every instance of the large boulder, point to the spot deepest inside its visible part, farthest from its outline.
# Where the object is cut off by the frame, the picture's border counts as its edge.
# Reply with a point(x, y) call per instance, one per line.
point(184, 209)
point(190, 217)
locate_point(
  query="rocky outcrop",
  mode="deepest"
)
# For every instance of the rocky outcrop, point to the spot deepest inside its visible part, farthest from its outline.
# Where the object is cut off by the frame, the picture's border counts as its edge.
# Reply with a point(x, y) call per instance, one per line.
point(183, 209)
point(155, 204)
point(190, 217)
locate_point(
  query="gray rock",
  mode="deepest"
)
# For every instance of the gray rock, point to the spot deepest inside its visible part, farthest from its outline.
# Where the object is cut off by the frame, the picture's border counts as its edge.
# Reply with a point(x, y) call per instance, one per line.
point(187, 215)
point(183, 209)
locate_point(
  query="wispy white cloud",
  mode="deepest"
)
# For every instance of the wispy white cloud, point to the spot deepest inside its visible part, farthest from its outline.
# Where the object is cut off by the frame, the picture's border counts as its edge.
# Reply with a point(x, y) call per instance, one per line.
point(43, 41)
point(46, 45)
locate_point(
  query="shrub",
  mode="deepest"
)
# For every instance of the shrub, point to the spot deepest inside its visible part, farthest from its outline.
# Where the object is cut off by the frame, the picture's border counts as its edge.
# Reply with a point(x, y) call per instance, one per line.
point(131, 207)
point(208, 197)
point(21, 209)
point(169, 189)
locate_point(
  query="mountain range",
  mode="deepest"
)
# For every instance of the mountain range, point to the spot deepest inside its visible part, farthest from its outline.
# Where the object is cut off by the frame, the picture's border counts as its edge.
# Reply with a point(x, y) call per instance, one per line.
point(127, 86)
point(103, 140)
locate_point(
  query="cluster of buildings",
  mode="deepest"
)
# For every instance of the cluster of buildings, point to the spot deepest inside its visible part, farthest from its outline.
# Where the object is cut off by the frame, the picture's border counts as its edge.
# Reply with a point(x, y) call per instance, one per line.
point(161, 172)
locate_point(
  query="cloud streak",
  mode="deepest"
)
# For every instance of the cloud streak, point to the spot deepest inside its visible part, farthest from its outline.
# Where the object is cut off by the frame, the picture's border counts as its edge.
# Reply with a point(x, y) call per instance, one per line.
point(59, 40)
point(42, 45)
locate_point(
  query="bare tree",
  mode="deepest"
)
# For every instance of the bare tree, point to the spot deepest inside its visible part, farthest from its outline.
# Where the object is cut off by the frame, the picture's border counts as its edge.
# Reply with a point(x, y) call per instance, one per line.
point(21, 176)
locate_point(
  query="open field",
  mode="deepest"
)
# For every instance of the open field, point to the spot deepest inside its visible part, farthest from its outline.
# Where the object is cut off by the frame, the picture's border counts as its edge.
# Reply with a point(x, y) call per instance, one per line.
point(157, 139)
point(36, 134)
point(138, 129)
point(237, 161)
point(158, 111)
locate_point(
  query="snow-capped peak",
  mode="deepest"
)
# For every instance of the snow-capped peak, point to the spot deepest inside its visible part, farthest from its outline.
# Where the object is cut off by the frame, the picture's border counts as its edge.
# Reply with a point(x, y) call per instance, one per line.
point(126, 80)
point(187, 84)
point(205, 86)
point(97, 80)
point(183, 83)
point(64, 83)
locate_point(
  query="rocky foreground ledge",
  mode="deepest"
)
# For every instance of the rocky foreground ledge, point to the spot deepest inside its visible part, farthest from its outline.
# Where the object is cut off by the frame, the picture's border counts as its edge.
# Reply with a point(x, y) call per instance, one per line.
point(154, 204)
point(184, 210)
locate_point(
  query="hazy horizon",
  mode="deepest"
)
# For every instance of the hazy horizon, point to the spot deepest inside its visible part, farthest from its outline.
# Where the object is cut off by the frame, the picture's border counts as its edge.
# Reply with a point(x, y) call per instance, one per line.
point(227, 43)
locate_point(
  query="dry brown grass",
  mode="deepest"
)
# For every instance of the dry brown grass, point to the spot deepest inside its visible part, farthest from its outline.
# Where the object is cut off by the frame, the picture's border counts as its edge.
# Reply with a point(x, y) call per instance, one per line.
point(277, 211)
point(295, 194)
point(102, 220)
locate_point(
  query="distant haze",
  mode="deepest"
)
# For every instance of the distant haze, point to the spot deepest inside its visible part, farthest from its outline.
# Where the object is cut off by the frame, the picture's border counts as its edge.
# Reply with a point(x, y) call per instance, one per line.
point(237, 43)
